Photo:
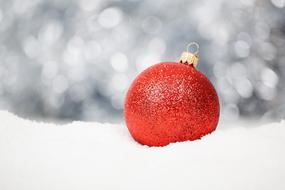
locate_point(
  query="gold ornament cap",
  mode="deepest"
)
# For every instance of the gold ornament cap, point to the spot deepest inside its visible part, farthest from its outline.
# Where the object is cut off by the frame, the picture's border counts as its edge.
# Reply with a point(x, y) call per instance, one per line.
point(190, 58)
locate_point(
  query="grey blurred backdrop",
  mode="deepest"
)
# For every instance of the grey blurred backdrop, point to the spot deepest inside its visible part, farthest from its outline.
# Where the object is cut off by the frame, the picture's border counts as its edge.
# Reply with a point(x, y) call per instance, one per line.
point(74, 60)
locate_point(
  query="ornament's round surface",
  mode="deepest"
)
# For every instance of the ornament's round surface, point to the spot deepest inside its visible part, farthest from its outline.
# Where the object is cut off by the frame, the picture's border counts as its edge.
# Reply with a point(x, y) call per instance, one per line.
point(171, 102)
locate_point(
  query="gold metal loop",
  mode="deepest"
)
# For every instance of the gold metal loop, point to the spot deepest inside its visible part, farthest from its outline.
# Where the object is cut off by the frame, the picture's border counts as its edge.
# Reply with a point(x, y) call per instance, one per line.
point(190, 58)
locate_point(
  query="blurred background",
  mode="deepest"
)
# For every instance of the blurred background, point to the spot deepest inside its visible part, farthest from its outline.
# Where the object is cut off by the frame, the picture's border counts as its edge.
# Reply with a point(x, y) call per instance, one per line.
point(66, 60)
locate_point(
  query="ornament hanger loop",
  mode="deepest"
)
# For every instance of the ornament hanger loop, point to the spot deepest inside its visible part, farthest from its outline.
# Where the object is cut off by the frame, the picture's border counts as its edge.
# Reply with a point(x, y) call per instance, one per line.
point(190, 58)
point(195, 47)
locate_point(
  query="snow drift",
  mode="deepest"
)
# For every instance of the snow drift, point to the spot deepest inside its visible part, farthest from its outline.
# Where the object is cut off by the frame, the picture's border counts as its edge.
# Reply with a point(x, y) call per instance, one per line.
point(87, 156)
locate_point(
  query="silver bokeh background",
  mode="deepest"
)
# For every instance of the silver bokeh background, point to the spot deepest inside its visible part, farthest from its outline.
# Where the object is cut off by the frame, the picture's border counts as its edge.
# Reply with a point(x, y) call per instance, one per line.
point(74, 60)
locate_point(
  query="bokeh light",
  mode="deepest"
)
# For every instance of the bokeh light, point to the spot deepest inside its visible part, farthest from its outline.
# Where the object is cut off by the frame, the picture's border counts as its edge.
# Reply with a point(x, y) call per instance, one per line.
point(74, 60)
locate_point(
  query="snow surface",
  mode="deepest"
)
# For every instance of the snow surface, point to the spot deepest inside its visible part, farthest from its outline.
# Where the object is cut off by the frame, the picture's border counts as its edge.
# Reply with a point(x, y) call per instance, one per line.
point(80, 155)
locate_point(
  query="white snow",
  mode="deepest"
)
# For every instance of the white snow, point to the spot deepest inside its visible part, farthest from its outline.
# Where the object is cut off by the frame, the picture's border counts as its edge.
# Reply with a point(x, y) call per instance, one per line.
point(93, 156)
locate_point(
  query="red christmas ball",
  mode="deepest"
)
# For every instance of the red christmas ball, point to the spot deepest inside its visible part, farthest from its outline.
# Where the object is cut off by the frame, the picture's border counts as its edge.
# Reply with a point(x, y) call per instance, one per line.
point(171, 102)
